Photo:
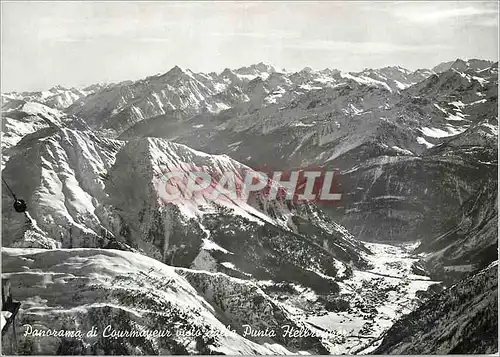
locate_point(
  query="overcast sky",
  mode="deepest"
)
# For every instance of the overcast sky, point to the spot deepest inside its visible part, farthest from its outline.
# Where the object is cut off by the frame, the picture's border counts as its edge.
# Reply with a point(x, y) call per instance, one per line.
point(80, 43)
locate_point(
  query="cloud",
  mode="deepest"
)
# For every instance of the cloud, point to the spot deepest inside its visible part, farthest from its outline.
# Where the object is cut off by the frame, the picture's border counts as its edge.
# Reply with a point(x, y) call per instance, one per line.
point(70, 40)
point(98, 29)
point(152, 39)
point(364, 47)
point(435, 13)
point(89, 39)
point(260, 35)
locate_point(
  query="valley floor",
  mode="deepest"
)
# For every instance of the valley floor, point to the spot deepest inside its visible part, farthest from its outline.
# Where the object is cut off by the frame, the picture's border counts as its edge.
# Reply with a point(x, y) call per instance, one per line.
point(378, 297)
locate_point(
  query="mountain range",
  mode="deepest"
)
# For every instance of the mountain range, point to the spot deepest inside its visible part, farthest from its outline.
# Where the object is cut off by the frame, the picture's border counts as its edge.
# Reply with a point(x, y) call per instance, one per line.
point(411, 246)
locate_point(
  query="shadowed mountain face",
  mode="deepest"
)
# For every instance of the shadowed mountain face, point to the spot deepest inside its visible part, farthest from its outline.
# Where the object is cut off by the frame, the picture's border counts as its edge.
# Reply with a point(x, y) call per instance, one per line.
point(416, 155)
point(470, 237)
point(461, 320)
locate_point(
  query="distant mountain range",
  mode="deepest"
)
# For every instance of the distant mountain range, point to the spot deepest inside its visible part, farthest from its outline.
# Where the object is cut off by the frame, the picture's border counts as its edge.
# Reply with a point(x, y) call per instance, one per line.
point(415, 233)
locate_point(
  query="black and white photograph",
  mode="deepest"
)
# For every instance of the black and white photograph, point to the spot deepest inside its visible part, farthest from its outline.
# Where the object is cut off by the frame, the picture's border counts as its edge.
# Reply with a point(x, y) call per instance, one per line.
point(249, 177)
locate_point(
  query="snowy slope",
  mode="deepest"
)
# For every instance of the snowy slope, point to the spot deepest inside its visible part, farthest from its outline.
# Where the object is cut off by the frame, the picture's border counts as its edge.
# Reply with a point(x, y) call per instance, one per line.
point(131, 292)
point(20, 118)
point(79, 289)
